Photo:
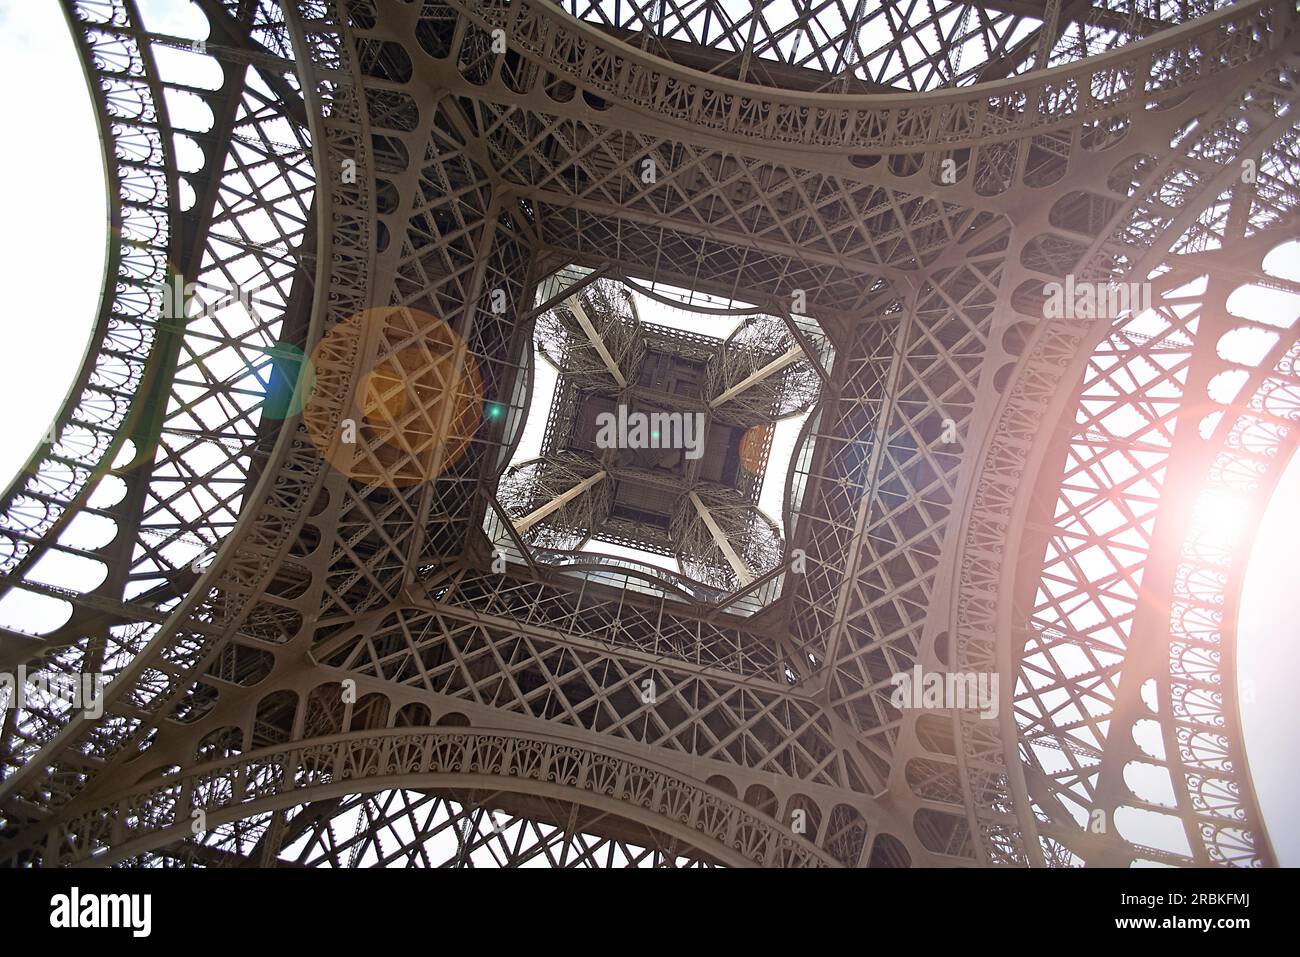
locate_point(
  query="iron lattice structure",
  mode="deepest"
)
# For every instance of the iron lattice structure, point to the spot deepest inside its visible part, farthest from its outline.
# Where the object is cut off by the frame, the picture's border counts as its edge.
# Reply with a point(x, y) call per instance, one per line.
point(677, 489)
point(761, 344)
point(606, 340)
point(530, 486)
point(340, 678)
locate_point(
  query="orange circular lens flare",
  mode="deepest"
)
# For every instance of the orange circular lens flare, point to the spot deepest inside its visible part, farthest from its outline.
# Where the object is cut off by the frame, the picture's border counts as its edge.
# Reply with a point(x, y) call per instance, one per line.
point(753, 446)
point(411, 414)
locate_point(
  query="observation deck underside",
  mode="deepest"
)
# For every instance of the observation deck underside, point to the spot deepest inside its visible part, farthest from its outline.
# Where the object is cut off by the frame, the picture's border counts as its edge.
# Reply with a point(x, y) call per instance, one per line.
point(309, 638)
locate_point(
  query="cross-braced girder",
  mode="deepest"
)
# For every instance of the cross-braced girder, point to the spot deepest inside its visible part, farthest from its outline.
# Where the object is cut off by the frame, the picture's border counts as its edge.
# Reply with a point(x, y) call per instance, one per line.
point(299, 574)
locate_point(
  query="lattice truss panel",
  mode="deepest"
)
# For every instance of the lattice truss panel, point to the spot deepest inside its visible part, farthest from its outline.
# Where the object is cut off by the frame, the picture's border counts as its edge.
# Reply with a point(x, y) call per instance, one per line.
point(1125, 701)
point(346, 682)
point(558, 502)
point(403, 828)
point(610, 311)
point(193, 428)
point(531, 485)
point(1141, 433)
point(848, 47)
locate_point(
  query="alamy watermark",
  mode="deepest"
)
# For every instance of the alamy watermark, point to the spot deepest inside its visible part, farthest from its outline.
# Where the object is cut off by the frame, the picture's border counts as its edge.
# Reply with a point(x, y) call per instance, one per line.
point(1086, 299)
point(957, 690)
point(651, 430)
point(78, 909)
point(84, 691)
point(178, 298)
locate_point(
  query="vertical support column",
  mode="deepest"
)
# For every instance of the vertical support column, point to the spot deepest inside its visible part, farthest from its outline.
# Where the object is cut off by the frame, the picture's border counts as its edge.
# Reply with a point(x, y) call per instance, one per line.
point(1047, 33)
point(535, 516)
point(776, 365)
point(575, 306)
point(739, 567)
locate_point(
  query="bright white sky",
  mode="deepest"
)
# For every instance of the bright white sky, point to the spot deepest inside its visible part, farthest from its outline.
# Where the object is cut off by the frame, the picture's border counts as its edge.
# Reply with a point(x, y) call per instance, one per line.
point(52, 249)
point(51, 267)
point(1269, 662)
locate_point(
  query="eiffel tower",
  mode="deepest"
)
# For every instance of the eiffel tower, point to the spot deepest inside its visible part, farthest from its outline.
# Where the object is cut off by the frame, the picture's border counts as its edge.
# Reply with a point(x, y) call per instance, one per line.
point(339, 621)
